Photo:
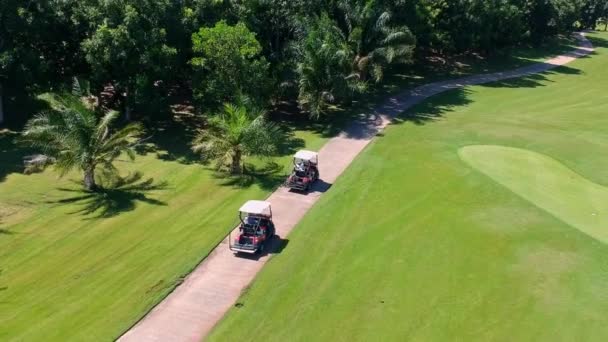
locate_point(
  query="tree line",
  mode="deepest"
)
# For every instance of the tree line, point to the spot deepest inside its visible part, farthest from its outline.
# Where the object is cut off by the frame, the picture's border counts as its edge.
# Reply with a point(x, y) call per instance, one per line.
point(233, 59)
point(317, 52)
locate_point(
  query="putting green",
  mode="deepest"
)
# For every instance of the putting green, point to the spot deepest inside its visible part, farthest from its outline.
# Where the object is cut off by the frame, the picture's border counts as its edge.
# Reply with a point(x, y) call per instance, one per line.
point(546, 183)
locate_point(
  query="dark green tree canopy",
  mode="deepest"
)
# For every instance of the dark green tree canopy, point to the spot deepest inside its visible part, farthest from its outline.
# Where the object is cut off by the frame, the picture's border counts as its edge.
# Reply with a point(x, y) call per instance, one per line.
point(143, 53)
point(228, 63)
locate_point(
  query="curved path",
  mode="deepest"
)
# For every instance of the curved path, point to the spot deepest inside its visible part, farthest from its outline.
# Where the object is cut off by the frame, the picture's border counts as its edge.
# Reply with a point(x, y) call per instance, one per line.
point(194, 307)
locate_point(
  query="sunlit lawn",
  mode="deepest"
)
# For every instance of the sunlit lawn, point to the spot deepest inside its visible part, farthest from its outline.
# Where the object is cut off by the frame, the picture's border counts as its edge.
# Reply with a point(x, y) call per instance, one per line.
point(79, 267)
point(415, 243)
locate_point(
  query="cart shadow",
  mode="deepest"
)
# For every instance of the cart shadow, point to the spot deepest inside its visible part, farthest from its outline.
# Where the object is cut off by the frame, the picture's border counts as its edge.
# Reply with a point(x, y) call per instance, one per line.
point(277, 245)
point(320, 186)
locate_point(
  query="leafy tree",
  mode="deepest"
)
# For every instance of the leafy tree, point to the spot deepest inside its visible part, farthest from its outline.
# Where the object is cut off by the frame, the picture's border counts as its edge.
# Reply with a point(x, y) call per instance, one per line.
point(75, 137)
point(374, 40)
point(592, 12)
point(277, 22)
point(337, 57)
point(128, 46)
point(238, 131)
point(324, 67)
point(147, 48)
point(227, 64)
point(550, 17)
point(39, 44)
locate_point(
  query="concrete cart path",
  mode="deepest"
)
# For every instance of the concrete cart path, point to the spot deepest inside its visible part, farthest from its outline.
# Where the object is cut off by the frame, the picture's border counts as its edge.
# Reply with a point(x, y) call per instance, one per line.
point(194, 307)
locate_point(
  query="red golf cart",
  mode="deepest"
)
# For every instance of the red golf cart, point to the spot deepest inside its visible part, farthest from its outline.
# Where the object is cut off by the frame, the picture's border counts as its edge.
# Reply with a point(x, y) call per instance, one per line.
point(305, 170)
point(256, 228)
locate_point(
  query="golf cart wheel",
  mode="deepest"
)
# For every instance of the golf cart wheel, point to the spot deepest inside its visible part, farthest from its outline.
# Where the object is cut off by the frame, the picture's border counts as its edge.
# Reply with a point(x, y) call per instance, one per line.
point(261, 249)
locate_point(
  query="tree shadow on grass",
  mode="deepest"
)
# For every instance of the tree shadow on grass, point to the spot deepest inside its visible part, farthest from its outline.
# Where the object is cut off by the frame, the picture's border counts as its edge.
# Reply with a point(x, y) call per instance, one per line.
point(171, 139)
point(2, 288)
point(11, 154)
point(328, 125)
point(288, 143)
point(119, 195)
point(268, 177)
point(422, 105)
point(434, 108)
point(598, 42)
point(5, 231)
point(18, 108)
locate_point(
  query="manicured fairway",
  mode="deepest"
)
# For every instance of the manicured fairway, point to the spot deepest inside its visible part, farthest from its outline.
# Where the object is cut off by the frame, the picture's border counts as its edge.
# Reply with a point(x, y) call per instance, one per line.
point(414, 243)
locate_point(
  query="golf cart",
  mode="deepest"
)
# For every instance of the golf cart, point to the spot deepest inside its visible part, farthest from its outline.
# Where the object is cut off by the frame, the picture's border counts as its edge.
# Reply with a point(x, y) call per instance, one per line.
point(256, 228)
point(305, 170)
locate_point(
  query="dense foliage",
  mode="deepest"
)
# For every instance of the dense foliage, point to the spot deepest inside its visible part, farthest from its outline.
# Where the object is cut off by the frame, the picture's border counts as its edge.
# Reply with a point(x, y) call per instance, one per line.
point(316, 52)
point(228, 64)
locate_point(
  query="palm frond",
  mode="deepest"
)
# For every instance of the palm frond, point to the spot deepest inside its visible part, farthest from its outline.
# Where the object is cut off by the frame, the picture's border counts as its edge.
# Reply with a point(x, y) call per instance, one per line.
point(75, 137)
point(238, 129)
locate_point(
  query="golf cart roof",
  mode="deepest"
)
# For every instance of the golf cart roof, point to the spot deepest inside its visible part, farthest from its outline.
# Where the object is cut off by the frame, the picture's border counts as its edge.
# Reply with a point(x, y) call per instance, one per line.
point(256, 208)
point(307, 156)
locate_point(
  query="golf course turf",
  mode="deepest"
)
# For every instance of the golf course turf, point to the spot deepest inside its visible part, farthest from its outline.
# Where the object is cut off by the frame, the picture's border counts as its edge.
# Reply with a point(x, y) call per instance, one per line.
point(547, 184)
point(441, 230)
point(81, 267)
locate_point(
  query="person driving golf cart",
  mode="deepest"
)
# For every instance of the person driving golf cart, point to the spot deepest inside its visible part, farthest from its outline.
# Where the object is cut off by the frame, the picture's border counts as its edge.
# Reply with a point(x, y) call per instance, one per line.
point(305, 170)
point(256, 228)
point(300, 169)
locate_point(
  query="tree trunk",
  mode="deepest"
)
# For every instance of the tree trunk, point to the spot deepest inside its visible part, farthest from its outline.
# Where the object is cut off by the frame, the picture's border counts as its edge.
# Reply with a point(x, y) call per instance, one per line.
point(1, 106)
point(235, 167)
point(127, 105)
point(89, 179)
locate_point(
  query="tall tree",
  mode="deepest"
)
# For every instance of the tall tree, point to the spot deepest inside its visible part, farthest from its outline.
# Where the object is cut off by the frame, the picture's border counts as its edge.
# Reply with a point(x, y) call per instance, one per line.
point(228, 63)
point(38, 45)
point(374, 39)
point(128, 46)
point(74, 137)
point(324, 67)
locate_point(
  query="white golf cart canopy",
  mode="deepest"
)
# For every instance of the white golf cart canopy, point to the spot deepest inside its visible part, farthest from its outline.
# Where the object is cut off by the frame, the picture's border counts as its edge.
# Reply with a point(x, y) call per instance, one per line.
point(308, 156)
point(257, 208)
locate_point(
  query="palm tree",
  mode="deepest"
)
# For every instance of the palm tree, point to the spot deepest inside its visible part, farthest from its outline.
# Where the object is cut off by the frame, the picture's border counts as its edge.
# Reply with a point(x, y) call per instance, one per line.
point(324, 66)
point(375, 42)
point(73, 136)
point(238, 131)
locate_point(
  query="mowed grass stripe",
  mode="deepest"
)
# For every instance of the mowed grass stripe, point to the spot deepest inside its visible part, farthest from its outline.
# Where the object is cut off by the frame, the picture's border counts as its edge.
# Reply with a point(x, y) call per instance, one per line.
point(547, 184)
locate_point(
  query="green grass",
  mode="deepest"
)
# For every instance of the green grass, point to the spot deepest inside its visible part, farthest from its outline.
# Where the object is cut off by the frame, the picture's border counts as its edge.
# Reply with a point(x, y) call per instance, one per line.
point(77, 267)
point(546, 183)
point(80, 267)
point(412, 243)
